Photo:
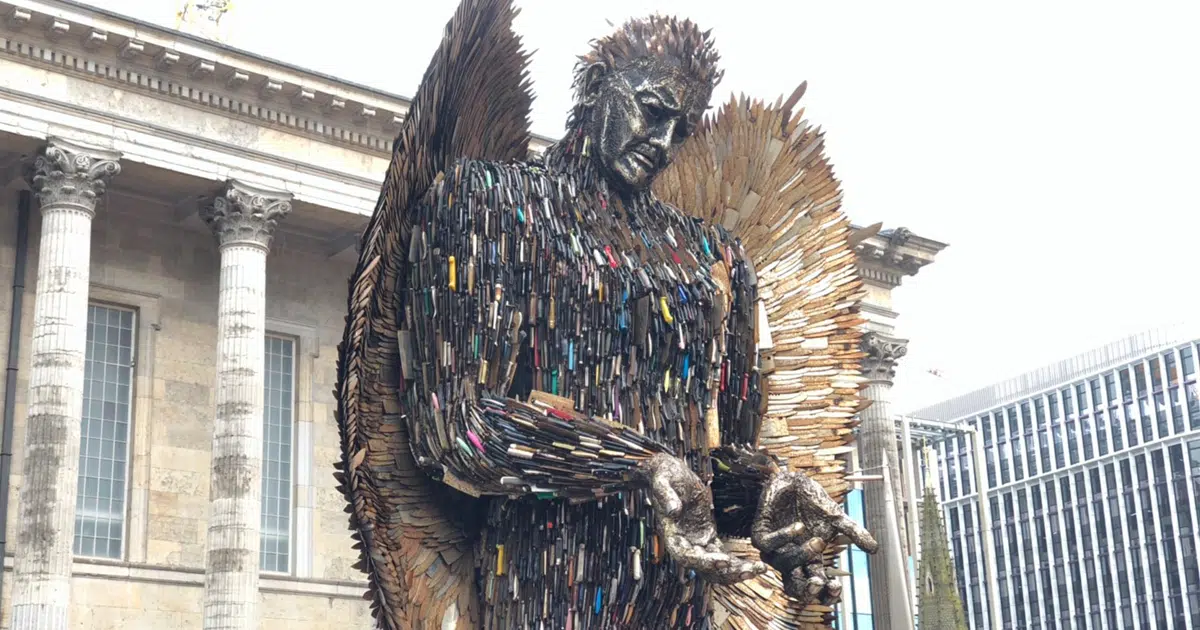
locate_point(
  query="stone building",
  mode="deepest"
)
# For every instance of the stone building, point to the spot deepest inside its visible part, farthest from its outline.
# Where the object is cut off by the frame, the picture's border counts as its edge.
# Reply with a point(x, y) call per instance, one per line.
point(184, 217)
point(178, 130)
point(937, 590)
point(879, 588)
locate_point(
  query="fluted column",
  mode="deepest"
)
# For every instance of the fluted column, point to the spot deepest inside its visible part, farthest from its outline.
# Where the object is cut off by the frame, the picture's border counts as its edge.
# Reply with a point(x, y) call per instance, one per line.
point(243, 219)
point(68, 179)
point(881, 499)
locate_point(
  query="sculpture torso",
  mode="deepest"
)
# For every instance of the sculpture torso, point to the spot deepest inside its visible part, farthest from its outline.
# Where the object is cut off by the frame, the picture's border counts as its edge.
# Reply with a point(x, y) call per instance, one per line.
point(521, 279)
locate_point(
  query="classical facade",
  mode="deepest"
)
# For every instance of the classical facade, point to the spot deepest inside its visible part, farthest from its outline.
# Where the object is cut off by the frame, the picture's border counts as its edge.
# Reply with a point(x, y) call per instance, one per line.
point(888, 505)
point(184, 216)
point(178, 226)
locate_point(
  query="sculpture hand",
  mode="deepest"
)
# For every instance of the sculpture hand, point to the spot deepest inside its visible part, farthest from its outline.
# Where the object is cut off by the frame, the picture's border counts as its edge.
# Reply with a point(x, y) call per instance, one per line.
point(683, 509)
point(796, 521)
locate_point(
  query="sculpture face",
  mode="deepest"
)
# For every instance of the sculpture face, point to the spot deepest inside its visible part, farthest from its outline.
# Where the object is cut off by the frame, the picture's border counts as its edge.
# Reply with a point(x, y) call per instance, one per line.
point(637, 117)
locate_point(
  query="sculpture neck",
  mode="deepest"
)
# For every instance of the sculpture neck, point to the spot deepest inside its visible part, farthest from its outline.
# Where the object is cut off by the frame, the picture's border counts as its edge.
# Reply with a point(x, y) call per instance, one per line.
point(576, 154)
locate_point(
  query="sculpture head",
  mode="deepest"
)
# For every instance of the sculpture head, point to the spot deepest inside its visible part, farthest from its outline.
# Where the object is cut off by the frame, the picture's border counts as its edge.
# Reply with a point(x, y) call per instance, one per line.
point(639, 94)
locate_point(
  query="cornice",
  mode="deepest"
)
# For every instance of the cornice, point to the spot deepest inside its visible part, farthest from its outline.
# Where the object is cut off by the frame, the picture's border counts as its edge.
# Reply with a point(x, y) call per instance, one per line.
point(874, 309)
point(211, 159)
point(903, 235)
point(133, 55)
point(888, 256)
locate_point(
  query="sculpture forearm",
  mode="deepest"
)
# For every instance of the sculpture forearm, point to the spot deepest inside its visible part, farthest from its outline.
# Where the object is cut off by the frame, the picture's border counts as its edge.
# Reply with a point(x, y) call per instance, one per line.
point(501, 446)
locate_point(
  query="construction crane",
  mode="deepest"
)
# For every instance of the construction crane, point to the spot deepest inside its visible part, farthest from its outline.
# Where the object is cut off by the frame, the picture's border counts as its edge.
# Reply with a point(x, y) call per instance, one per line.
point(202, 17)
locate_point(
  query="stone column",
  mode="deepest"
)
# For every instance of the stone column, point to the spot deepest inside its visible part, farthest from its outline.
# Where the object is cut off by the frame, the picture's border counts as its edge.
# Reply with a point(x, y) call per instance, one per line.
point(881, 499)
point(68, 179)
point(243, 219)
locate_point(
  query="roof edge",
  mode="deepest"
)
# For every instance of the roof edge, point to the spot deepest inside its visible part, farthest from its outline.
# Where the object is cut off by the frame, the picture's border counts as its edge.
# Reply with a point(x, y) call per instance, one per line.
point(1053, 375)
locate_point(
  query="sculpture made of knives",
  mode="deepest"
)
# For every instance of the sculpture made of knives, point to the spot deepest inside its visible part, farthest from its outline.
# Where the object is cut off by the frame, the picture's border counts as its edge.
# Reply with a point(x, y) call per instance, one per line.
point(586, 390)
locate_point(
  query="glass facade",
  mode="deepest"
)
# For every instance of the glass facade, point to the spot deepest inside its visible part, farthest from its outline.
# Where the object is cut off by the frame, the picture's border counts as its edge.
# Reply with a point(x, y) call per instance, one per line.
point(1093, 494)
point(104, 433)
point(854, 612)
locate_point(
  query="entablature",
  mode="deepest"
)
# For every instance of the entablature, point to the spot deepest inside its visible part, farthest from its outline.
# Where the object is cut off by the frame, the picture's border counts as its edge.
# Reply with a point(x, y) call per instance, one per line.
point(886, 257)
point(134, 55)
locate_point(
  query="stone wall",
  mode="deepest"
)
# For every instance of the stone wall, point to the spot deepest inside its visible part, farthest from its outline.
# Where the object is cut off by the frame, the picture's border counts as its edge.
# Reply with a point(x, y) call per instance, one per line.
point(142, 259)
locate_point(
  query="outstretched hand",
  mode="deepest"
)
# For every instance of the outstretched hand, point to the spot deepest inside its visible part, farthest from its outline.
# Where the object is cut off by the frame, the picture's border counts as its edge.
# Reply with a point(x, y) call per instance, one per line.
point(796, 521)
point(683, 509)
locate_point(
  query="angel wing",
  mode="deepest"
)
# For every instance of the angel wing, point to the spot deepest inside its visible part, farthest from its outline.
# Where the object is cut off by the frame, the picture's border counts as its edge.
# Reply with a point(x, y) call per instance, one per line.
point(473, 101)
point(761, 172)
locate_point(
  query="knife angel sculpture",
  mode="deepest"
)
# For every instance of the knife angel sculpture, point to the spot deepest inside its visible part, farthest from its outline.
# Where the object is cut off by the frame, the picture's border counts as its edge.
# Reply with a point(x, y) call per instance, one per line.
point(604, 387)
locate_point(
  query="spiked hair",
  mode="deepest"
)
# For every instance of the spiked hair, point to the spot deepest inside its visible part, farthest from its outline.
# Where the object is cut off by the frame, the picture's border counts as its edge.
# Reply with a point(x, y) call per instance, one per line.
point(679, 43)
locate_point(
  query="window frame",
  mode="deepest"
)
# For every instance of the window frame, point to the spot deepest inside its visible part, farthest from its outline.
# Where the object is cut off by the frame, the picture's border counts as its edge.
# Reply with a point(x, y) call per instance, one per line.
point(306, 350)
point(146, 309)
point(127, 498)
point(293, 463)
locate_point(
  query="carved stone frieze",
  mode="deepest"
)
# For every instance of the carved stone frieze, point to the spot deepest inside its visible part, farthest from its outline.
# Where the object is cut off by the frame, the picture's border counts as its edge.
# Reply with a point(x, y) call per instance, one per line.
point(882, 354)
point(108, 53)
point(243, 214)
point(18, 17)
point(889, 255)
point(65, 174)
point(187, 75)
point(898, 237)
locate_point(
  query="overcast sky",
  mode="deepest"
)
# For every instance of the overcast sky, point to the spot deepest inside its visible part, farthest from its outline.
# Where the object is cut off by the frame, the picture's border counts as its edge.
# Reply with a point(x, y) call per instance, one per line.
point(1053, 145)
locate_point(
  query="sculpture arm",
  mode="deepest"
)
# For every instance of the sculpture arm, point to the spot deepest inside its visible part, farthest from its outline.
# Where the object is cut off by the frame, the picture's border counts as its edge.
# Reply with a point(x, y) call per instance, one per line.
point(504, 446)
point(494, 445)
point(739, 399)
point(739, 469)
point(468, 305)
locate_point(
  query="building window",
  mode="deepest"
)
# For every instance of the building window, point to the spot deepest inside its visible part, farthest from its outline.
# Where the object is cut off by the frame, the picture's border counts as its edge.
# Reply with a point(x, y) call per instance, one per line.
point(278, 421)
point(856, 605)
point(104, 433)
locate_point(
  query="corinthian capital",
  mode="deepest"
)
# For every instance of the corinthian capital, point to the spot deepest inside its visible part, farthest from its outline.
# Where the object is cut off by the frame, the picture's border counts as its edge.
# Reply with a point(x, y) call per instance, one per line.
point(69, 175)
point(882, 354)
point(246, 215)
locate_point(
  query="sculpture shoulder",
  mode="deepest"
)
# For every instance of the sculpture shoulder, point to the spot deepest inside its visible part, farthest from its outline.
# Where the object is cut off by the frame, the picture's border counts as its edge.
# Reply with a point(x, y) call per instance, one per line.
point(469, 174)
point(715, 233)
point(723, 247)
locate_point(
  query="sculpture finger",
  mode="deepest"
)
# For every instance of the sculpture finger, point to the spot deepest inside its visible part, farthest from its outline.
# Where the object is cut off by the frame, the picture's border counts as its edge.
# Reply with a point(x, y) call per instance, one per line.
point(803, 586)
point(832, 593)
point(715, 566)
point(857, 534)
point(666, 500)
point(816, 579)
point(813, 549)
point(737, 570)
point(793, 584)
point(795, 532)
point(770, 541)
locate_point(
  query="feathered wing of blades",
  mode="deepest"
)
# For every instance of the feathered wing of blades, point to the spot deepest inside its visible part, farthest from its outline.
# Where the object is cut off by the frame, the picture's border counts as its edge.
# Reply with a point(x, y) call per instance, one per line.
point(473, 101)
point(760, 171)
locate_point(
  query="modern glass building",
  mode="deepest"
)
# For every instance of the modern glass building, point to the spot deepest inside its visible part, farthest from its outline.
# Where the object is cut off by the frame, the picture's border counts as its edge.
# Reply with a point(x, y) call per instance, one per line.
point(1091, 470)
point(854, 611)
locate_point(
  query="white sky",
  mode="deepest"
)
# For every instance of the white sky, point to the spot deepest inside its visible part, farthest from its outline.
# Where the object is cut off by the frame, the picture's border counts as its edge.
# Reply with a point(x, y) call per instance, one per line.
point(1054, 145)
